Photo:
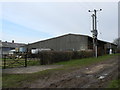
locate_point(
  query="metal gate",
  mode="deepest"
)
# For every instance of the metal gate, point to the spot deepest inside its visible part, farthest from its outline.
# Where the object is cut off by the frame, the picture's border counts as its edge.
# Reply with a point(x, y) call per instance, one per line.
point(14, 60)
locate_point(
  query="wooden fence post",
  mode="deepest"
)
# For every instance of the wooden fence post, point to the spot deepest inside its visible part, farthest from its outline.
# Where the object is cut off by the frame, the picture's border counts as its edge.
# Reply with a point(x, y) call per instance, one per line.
point(4, 61)
point(25, 59)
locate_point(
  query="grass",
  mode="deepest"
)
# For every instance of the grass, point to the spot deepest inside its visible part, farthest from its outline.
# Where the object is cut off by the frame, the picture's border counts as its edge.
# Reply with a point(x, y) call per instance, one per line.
point(114, 84)
point(12, 80)
point(84, 61)
point(16, 80)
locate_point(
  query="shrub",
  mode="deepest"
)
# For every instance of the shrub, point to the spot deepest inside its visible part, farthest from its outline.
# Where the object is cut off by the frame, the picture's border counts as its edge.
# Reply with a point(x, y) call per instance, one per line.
point(49, 57)
point(86, 54)
point(82, 54)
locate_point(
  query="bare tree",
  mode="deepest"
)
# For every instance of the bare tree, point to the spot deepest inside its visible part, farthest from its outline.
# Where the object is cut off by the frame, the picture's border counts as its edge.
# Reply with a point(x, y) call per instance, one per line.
point(117, 42)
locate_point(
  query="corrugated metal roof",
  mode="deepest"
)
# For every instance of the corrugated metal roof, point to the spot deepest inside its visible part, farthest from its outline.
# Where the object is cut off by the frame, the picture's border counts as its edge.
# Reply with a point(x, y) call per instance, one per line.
point(59, 37)
point(71, 34)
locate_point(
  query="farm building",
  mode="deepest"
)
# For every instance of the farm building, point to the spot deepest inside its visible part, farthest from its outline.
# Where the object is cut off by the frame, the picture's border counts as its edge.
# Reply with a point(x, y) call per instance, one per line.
point(5, 47)
point(72, 42)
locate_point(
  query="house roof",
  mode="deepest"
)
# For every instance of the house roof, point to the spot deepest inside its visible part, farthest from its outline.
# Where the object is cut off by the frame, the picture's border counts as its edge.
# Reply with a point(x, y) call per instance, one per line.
point(11, 45)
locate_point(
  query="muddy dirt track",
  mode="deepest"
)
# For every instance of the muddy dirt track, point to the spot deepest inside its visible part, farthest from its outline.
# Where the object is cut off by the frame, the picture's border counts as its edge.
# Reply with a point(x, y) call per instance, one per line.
point(93, 76)
point(29, 69)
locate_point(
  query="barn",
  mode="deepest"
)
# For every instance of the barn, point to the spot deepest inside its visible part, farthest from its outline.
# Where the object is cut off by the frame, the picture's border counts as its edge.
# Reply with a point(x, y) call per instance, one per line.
point(72, 42)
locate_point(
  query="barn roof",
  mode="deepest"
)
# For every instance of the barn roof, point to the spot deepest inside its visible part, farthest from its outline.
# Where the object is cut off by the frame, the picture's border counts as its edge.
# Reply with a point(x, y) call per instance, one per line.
point(68, 35)
point(59, 37)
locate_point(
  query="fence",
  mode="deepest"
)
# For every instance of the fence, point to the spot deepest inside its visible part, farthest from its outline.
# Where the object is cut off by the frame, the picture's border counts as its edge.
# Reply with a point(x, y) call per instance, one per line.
point(18, 60)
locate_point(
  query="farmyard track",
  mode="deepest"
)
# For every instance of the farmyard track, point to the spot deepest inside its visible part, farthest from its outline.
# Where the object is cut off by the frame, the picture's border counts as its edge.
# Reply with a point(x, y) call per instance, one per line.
point(93, 76)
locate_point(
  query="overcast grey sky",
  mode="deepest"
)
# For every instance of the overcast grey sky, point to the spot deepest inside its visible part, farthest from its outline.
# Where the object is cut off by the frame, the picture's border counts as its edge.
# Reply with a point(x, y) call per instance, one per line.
point(28, 22)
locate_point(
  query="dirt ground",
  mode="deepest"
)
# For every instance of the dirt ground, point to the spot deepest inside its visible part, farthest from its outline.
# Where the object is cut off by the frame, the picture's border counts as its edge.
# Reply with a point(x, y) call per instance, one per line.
point(29, 69)
point(93, 76)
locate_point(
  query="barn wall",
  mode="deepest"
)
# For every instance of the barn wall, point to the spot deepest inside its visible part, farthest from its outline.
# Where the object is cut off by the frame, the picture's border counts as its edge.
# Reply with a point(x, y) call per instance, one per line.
point(71, 42)
point(63, 43)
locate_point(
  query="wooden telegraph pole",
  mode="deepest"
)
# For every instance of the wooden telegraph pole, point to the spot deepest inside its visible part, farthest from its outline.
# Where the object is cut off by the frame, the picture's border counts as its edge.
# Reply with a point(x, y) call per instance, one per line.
point(94, 31)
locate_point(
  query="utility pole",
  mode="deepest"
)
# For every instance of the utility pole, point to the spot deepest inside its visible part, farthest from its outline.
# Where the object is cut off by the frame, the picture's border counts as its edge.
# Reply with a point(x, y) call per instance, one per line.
point(94, 31)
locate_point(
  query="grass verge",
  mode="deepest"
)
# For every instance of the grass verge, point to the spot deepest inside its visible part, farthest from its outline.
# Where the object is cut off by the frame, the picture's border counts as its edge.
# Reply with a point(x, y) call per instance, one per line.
point(84, 61)
point(114, 84)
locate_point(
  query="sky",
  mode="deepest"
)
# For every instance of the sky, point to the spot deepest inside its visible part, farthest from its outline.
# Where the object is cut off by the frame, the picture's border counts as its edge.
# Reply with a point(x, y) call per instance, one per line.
point(28, 22)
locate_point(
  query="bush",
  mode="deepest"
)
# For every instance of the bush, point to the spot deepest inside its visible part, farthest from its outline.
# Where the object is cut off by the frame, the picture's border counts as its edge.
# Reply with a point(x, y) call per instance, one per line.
point(53, 56)
point(49, 57)
point(86, 54)
point(82, 54)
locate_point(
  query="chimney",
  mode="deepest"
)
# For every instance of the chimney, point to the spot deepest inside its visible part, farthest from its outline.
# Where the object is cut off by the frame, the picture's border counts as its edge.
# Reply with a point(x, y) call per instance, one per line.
point(12, 41)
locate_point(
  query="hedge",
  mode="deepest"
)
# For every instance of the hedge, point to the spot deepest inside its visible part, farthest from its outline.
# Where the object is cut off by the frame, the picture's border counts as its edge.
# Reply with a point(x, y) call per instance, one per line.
point(49, 57)
point(52, 57)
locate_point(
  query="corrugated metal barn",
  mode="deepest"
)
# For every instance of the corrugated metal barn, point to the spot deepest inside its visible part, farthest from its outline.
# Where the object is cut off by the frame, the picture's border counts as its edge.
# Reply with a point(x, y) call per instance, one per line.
point(71, 42)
